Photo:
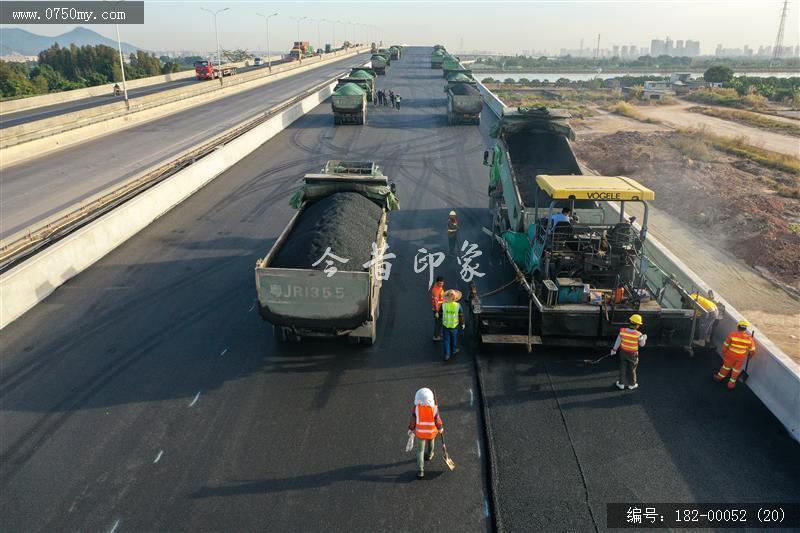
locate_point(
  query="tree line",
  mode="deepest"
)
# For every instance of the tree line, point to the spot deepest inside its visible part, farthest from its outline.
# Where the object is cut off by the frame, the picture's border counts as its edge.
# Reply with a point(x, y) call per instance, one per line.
point(74, 67)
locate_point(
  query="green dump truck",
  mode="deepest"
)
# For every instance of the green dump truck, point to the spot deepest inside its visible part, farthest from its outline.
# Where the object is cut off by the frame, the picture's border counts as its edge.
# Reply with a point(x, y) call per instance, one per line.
point(363, 79)
point(297, 293)
point(450, 64)
point(437, 58)
point(349, 104)
point(395, 53)
point(464, 103)
point(379, 64)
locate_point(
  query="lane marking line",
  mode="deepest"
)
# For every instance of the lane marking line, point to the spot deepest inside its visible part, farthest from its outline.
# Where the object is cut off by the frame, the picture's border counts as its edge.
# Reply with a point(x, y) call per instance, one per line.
point(485, 508)
point(471, 397)
point(224, 352)
point(197, 397)
point(114, 528)
point(478, 444)
point(158, 457)
point(252, 306)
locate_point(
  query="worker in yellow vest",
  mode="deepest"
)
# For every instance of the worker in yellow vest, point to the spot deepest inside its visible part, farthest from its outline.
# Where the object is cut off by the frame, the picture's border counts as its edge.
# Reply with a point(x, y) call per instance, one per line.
point(737, 348)
point(425, 425)
point(452, 319)
point(628, 342)
point(707, 317)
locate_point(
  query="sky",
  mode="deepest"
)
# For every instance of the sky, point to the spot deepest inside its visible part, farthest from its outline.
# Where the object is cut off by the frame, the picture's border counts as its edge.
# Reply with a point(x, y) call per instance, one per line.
point(503, 26)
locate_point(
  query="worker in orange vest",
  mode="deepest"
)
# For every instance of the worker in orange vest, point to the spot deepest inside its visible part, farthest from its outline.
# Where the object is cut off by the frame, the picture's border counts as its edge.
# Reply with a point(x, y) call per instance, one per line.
point(437, 298)
point(425, 425)
point(738, 346)
point(628, 342)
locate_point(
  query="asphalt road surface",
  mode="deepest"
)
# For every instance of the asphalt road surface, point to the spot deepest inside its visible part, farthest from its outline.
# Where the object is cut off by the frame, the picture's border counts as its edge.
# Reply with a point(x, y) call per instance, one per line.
point(39, 113)
point(36, 189)
point(101, 419)
point(147, 394)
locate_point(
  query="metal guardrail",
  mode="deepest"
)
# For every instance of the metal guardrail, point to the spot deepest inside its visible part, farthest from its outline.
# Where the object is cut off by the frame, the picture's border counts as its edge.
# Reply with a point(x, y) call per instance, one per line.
point(26, 243)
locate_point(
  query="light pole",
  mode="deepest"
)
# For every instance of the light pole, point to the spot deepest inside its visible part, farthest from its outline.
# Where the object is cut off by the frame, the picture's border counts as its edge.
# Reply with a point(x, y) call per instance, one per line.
point(269, 54)
point(216, 34)
point(334, 30)
point(319, 41)
point(122, 69)
point(298, 25)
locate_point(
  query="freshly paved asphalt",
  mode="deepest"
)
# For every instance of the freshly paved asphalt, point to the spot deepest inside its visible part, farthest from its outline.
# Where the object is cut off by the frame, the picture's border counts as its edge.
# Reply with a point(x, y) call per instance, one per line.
point(36, 189)
point(101, 378)
point(102, 425)
point(39, 113)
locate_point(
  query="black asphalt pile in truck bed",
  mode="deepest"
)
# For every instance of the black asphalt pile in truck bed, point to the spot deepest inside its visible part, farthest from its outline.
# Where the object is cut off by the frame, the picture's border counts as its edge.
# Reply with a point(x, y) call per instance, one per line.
point(347, 222)
point(534, 153)
point(464, 89)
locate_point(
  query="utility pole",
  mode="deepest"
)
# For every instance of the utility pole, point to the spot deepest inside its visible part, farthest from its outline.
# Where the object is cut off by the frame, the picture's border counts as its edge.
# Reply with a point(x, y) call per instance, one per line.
point(597, 49)
point(216, 34)
point(776, 51)
point(122, 69)
point(269, 53)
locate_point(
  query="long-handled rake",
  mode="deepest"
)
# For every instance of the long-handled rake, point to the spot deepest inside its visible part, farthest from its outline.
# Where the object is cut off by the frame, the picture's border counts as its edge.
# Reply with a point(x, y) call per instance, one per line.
point(447, 460)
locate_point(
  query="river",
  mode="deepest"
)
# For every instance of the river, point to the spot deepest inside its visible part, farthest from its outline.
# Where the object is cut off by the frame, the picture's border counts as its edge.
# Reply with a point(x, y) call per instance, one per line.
point(585, 76)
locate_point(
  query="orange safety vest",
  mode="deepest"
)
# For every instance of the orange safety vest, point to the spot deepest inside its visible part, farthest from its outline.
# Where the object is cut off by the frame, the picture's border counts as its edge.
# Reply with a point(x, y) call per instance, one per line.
point(425, 427)
point(437, 297)
point(629, 340)
point(739, 343)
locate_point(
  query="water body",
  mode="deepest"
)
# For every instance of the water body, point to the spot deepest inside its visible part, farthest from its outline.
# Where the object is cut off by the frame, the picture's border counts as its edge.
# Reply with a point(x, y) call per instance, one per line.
point(586, 76)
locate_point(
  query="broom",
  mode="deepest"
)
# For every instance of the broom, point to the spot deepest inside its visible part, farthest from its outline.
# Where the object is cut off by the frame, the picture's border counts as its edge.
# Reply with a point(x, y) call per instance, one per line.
point(447, 460)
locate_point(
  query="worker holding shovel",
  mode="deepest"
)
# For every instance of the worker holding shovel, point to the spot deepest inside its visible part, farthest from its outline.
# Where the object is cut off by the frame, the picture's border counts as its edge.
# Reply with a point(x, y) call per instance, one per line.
point(425, 424)
point(628, 342)
point(738, 347)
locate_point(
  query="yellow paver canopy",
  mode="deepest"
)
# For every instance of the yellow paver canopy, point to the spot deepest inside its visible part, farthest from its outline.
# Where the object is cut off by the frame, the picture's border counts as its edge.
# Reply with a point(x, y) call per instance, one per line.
point(605, 188)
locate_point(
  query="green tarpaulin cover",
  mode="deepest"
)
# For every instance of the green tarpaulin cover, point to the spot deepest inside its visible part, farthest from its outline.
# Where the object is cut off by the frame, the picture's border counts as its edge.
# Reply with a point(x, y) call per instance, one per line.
point(349, 89)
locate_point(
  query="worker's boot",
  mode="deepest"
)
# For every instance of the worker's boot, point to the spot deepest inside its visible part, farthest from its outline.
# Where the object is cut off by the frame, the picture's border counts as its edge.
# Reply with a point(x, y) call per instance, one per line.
point(619, 385)
point(420, 474)
point(633, 387)
point(731, 384)
point(717, 377)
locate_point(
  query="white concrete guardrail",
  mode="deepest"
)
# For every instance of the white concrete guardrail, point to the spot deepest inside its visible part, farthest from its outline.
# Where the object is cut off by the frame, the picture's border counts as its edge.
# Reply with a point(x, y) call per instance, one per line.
point(30, 282)
point(37, 138)
point(773, 376)
point(43, 100)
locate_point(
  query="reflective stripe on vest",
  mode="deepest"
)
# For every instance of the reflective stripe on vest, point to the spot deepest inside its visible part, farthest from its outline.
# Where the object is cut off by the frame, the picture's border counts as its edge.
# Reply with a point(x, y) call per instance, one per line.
point(425, 427)
point(739, 343)
point(629, 340)
point(450, 314)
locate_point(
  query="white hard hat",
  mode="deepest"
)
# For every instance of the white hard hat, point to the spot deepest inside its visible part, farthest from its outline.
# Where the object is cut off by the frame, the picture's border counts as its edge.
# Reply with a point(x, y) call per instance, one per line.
point(452, 213)
point(424, 396)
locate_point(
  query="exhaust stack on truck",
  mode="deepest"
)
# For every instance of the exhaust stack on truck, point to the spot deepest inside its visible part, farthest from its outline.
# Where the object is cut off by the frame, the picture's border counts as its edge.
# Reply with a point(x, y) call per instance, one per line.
point(321, 279)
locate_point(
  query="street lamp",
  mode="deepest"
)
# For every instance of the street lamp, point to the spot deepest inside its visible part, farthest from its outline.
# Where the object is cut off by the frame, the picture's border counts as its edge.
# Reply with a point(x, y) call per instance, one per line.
point(319, 41)
point(269, 54)
point(298, 25)
point(122, 69)
point(216, 34)
point(334, 30)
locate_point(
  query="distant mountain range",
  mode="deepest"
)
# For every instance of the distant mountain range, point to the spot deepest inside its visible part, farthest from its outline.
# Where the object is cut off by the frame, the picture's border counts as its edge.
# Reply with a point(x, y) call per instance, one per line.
point(17, 41)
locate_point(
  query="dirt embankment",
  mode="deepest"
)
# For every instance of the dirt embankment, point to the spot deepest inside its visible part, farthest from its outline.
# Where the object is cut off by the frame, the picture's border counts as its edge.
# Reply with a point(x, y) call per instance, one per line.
point(724, 198)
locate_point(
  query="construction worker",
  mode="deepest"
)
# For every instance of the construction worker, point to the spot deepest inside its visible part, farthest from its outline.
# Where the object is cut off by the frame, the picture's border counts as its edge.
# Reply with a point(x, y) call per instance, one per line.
point(437, 299)
point(706, 319)
point(738, 346)
point(563, 216)
point(425, 425)
point(452, 319)
point(452, 232)
point(628, 342)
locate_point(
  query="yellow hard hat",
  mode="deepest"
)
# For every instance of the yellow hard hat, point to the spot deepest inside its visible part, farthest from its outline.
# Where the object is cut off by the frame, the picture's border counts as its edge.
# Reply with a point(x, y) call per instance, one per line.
point(636, 319)
point(743, 323)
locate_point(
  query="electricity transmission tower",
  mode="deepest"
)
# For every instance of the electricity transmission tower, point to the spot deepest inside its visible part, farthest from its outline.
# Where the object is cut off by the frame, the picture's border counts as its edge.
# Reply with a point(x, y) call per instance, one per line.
point(778, 48)
point(597, 50)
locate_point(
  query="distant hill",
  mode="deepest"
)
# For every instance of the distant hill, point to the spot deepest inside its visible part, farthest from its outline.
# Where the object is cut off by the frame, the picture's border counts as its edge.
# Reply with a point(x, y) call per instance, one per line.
point(15, 40)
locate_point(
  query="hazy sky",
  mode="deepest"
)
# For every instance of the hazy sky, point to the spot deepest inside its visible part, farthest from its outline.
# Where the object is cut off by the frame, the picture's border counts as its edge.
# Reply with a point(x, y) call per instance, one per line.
point(502, 26)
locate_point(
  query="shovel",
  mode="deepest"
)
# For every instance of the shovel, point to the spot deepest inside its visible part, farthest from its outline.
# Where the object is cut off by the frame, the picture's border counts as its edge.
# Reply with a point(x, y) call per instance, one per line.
point(588, 362)
point(745, 375)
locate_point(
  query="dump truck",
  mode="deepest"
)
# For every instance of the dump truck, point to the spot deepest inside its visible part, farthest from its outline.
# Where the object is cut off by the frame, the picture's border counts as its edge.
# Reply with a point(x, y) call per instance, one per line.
point(363, 79)
point(395, 53)
point(450, 64)
point(437, 58)
point(387, 54)
point(437, 47)
point(349, 105)
point(580, 280)
point(299, 50)
point(206, 70)
point(379, 64)
point(465, 72)
point(365, 85)
point(464, 103)
point(342, 214)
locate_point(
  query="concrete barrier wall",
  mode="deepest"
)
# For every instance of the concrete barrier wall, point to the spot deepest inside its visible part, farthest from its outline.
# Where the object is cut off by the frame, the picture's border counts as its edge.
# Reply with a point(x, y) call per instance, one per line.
point(20, 143)
point(31, 102)
point(773, 376)
point(32, 281)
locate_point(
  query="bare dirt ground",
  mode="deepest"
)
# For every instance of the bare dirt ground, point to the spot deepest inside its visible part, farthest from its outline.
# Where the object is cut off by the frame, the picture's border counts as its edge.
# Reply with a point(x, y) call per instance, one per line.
point(678, 115)
point(718, 217)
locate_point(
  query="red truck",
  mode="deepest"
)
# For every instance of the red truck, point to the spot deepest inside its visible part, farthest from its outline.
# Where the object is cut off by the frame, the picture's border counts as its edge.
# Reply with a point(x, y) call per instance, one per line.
point(206, 70)
point(300, 50)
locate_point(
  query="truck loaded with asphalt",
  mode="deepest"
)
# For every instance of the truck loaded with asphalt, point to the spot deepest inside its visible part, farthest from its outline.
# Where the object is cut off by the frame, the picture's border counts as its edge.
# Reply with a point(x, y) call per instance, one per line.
point(363, 79)
point(349, 105)
point(207, 70)
point(582, 278)
point(379, 63)
point(464, 102)
point(342, 221)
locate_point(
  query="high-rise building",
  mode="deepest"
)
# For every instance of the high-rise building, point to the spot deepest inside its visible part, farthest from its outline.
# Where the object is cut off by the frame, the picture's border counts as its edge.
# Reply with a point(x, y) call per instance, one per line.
point(668, 50)
point(692, 48)
point(656, 47)
point(679, 49)
point(615, 51)
point(623, 53)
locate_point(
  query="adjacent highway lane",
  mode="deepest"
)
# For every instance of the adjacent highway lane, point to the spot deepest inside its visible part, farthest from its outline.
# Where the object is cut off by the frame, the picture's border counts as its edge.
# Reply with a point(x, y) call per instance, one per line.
point(41, 187)
point(21, 117)
point(147, 394)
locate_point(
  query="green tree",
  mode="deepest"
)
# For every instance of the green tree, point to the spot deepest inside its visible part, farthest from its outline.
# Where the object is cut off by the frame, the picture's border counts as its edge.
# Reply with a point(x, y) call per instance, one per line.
point(718, 74)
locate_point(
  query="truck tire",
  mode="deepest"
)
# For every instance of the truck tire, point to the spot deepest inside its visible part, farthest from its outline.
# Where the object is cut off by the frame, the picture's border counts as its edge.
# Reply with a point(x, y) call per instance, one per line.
point(280, 334)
